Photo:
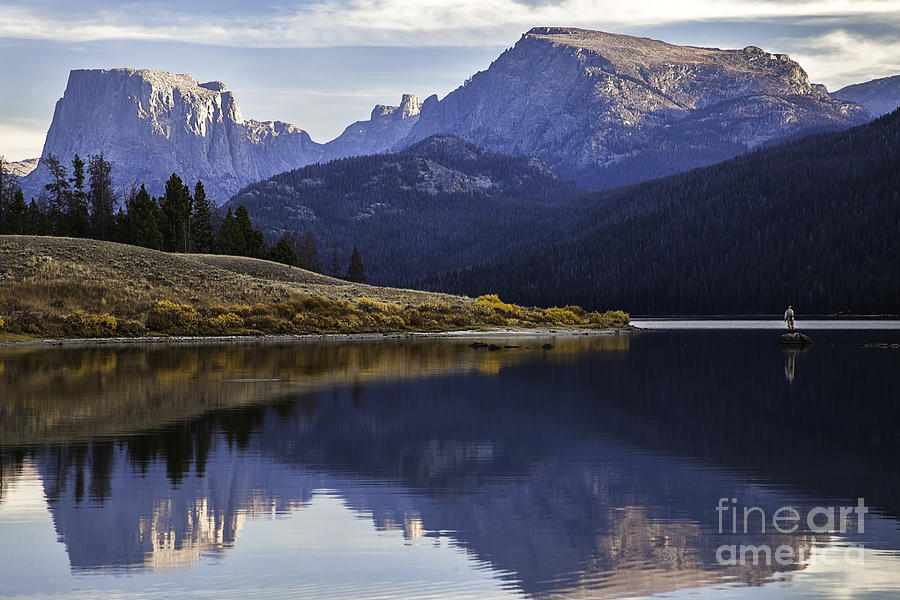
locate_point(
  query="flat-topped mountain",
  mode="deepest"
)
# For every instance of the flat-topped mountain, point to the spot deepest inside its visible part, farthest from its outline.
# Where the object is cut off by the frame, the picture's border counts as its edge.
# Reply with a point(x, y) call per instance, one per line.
point(150, 124)
point(879, 96)
point(612, 109)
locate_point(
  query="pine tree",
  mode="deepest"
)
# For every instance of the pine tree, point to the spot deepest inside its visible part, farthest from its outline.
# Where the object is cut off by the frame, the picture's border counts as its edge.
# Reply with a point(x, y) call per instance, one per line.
point(16, 221)
point(76, 213)
point(5, 199)
point(175, 218)
point(37, 222)
point(58, 190)
point(309, 253)
point(252, 242)
point(201, 222)
point(283, 253)
point(335, 270)
point(356, 272)
point(101, 197)
point(141, 223)
point(229, 239)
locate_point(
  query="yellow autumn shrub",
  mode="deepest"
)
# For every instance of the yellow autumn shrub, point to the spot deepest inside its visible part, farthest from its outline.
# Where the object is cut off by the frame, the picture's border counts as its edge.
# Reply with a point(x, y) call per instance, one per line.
point(610, 318)
point(173, 318)
point(87, 324)
point(560, 316)
point(225, 322)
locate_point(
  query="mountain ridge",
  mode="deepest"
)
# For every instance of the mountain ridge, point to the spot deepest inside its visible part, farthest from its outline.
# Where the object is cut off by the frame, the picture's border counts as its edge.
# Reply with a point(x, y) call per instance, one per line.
point(581, 101)
point(878, 96)
point(603, 109)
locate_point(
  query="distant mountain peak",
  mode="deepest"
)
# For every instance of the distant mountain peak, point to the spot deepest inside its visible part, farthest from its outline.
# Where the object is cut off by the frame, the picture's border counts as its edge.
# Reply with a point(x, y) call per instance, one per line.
point(879, 96)
point(151, 123)
point(409, 107)
point(609, 109)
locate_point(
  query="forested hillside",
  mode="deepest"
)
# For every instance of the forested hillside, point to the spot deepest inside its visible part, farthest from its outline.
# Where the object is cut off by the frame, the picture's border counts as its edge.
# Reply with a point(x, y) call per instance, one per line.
point(441, 204)
point(814, 223)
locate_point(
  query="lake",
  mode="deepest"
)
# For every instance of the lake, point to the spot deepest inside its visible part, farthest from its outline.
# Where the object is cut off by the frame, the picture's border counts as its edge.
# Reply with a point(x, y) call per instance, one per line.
point(607, 466)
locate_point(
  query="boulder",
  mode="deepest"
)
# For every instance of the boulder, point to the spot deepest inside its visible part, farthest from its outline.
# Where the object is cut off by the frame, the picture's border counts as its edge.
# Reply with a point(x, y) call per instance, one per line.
point(795, 338)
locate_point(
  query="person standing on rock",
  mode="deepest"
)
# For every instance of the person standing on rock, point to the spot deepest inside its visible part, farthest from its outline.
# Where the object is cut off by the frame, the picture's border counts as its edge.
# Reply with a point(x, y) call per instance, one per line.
point(789, 318)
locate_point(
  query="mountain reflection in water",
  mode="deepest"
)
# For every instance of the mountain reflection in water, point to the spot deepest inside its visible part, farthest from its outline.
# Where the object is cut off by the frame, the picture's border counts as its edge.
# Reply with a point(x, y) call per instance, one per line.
point(593, 468)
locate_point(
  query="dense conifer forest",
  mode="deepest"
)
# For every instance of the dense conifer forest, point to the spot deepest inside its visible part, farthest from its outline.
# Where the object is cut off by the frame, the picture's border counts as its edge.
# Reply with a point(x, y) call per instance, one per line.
point(814, 223)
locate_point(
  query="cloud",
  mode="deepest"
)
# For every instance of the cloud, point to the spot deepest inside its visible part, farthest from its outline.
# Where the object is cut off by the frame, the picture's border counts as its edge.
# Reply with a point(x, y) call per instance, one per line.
point(840, 57)
point(20, 137)
point(404, 23)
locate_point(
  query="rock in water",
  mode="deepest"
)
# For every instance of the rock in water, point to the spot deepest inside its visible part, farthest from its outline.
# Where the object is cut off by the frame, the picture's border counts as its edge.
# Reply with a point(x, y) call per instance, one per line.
point(151, 124)
point(795, 338)
point(610, 109)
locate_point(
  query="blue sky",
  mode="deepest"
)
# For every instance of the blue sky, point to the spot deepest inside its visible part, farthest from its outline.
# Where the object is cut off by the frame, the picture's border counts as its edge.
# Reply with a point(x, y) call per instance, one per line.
point(323, 64)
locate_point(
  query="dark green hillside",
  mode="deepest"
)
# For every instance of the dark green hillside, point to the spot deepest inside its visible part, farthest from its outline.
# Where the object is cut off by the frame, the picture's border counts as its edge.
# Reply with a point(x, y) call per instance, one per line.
point(441, 204)
point(815, 223)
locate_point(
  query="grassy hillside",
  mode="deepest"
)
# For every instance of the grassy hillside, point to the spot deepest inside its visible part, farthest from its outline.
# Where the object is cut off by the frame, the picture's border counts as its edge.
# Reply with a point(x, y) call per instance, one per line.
point(66, 287)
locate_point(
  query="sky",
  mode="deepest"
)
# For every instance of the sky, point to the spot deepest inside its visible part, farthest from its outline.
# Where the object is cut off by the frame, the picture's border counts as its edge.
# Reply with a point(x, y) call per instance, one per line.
point(322, 64)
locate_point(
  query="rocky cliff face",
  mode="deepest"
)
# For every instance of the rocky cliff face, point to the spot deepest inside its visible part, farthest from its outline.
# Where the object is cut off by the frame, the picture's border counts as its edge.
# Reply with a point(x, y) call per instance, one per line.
point(600, 108)
point(387, 126)
point(611, 109)
point(150, 124)
point(879, 96)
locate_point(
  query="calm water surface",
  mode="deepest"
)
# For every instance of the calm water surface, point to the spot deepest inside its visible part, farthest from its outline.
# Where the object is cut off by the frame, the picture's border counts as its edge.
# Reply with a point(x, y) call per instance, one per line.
point(427, 469)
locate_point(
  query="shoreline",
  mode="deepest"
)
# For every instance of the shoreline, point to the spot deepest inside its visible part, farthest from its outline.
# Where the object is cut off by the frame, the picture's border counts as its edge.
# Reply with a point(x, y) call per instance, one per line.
point(311, 337)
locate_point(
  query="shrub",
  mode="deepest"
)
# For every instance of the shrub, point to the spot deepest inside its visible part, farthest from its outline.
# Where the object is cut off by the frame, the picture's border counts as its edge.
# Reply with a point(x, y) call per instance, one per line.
point(560, 316)
point(225, 322)
point(575, 309)
point(435, 306)
point(85, 324)
point(611, 318)
point(268, 324)
point(490, 304)
point(131, 329)
point(169, 317)
point(374, 306)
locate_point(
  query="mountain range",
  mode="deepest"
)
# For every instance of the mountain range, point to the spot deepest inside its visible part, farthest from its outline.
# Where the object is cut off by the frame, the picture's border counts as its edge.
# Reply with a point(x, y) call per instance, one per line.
point(599, 108)
point(811, 221)
point(607, 110)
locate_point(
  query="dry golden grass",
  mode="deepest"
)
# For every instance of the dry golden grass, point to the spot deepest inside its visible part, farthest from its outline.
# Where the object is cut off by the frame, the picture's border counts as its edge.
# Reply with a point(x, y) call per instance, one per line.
point(64, 287)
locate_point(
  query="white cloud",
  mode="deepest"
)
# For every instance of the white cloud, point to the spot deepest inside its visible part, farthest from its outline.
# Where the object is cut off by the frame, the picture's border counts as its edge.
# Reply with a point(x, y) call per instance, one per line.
point(401, 22)
point(21, 139)
point(838, 58)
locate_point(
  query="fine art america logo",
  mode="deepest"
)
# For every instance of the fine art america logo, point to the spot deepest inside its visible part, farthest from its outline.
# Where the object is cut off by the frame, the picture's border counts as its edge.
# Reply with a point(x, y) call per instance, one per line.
point(787, 520)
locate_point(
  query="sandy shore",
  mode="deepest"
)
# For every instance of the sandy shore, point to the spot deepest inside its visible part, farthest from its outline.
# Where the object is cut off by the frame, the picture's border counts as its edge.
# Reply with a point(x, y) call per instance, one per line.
point(307, 338)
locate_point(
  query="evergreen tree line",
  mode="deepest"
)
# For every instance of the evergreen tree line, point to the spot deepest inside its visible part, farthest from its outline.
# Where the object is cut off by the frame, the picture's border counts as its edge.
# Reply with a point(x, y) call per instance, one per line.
point(814, 223)
point(83, 204)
